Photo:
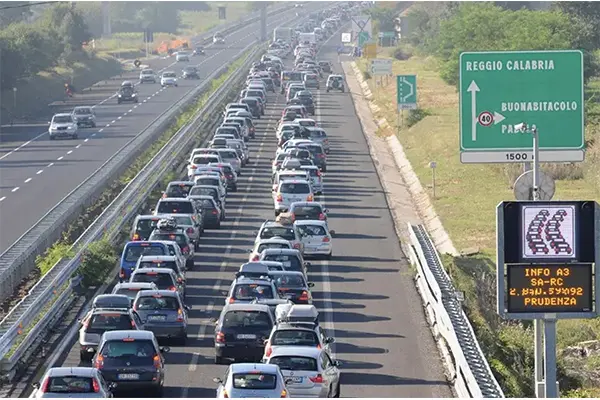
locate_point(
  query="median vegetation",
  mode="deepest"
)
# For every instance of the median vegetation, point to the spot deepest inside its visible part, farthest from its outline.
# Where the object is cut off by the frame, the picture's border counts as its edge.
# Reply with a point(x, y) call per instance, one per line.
point(436, 35)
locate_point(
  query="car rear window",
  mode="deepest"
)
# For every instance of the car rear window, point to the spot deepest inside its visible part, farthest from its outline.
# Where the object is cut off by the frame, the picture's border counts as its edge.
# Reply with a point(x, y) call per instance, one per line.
point(203, 192)
point(175, 207)
point(183, 220)
point(134, 252)
point(206, 159)
point(178, 238)
point(159, 264)
point(293, 363)
point(253, 319)
point(263, 247)
point(308, 123)
point(252, 102)
point(249, 291)
point(162, 281)
point(109, 322)
point(282, 231)
point(208, 181)
point(287, 281)
point(179, 190)
point(228, 154)
point(255, 381)
point(146, 225)
point(128, 349)
point(307, 210)
point(294, 188)
point(157, 303)
point(312, 230)
point(70, 384)
point(294, 337)
point(290, 263)
point(206, 203)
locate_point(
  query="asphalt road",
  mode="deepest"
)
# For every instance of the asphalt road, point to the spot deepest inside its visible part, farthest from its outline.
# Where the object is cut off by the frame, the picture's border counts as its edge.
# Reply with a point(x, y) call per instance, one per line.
point(365, 292)
point(34, 178)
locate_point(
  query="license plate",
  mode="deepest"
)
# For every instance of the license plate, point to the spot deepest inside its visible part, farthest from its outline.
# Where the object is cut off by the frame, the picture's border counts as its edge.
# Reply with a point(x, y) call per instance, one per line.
point(129, 377)
point(157, 318)
point(296, 379)
point(246, 336)
point(287, 263)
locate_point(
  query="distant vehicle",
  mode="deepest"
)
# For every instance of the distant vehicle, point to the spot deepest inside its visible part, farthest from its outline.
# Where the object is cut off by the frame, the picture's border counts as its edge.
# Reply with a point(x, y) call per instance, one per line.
point(182, 56)
point(62, 125)
point(190, 73)
point(127, 93)
point(168, 78)
point(218, 39)
point(84, 116)
point(147, 75)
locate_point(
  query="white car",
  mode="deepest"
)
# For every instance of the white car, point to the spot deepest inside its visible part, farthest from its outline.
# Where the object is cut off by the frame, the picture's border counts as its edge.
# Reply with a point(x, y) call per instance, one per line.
point(147, 75)
point(83, 382)
point(273, 243)
point(218, 39)
point(84, 116)
point(251, 380)
point(63, 125)
point(316, 237)
point(168, 78)
point(182, 56)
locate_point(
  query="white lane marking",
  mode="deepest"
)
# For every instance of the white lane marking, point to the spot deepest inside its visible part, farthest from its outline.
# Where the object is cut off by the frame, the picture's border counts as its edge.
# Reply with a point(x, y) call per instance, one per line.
point(51, 164)
point(2, 198)
point(59, 158)
point(15, 189)
point(120, 117)
point(69, 152)
point(194, 362)
point(39, 172)
point(131, 110)
point(78, 146)
point(202, 330)
point(113, 121)
point(93, 134)
point(86, 139)
point(28, 180)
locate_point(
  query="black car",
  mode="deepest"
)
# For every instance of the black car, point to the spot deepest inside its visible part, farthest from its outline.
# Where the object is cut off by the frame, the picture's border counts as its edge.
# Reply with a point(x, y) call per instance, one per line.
point(190, 73)
point(318, 155)
point(132, 359)
point(241, 332)
point(325, 66)
point(307, 101)
point(292, 286)
point(210, 211)
point(254, 106)
point(178, 189)
point(199, 51)
point(127, 94)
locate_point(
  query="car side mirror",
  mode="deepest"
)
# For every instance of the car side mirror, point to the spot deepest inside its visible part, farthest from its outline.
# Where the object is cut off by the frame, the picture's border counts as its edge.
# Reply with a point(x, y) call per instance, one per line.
point(218, 380)
point(188, 308)
point(307, 264)
point(329, 340)
point(332, 232)
point(336, 363)
point(36, 385)
point(112, 385)
point(288, 381)
point(311, 284)
point(165, 349)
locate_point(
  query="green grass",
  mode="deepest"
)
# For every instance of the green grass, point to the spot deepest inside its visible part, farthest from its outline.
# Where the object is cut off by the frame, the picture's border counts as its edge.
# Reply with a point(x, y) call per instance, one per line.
point(195, 22)
point(466, 199)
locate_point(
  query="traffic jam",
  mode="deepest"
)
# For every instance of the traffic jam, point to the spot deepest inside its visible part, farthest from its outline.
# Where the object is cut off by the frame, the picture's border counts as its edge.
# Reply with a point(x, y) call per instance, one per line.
point(268, 332)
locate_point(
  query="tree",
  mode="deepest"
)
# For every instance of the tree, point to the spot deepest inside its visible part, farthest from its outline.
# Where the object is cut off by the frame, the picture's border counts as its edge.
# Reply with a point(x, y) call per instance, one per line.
point(18, 11)
point(587, 14)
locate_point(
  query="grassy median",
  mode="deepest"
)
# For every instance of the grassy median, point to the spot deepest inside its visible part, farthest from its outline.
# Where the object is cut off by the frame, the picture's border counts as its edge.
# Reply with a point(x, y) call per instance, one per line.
point(466, 199)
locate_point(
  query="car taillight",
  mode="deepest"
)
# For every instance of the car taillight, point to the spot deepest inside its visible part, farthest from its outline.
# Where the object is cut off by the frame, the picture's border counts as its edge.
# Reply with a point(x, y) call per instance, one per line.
point(293, 217)
point(279, 198)
point(179, 280)
point(316, 379)
point(185, 249)
point(190, 230)
point(255, 258)
point(132, 323)
point(268, 350)
point(318, 172)
point(173, 289)
point(230, 176)
point(321, 216)
point(122, 273)
point(220, 337)
point(45, 384)
point(304, 296)
point(164, 196)
point(326, 141)
point(193, 167)
point(95, 385)
point(283, 394)
point(225, 396)
point(231, 300)
point(296, 245)
point(156, 360)
point(136, 237)
point(180, 315)
point(99, 361)
point(321, 155)
point(309, 197)
point(215, 212)
point(326, 239)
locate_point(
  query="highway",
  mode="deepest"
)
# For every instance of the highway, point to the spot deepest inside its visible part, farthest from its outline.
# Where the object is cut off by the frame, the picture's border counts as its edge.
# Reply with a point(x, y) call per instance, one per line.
point(365, 293)
point(34, 178)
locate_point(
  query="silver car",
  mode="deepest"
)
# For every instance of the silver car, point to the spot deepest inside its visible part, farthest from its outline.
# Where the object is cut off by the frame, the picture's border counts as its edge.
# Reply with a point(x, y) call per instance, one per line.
point(186, 221)
point(316, 178)
point(132, 289)
point(164, 313)
point(77, 382)
point(308, 371)
point(230, 156)
point(290, 191)
point(147, 75)
point(62, 125)
point(84, 116)
point(252, 380)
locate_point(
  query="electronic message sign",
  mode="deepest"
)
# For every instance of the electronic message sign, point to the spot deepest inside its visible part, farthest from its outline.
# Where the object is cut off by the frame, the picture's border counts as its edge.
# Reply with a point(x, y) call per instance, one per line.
point(550, 288)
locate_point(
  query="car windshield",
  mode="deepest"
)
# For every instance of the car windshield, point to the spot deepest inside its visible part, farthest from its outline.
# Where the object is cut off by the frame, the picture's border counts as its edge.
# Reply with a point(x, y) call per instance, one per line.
point(178, 238)
point(178, 190)
point(175, 207)
point(157, 302)
point(293, 363)
point(228, 154)
point(294, 188)
point(162, 281)
point(109, 322)
point(294, 337)
point(265, 246)
point(253, 319)
point(254, 381)
point(281, 231)
point(248, 291)
point(147, 72)
point(70, 384)
point(83, 111)
point(290, 263)
point(289, 281)
point(159, 264)
point(62, 119)
point(169, 75)
point(128, 349)
point(134, 252)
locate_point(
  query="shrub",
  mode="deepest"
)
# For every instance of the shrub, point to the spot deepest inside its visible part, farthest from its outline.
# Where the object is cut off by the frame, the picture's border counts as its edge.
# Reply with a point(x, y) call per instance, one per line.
point(401, 54)
point(97, 261)
point(366, 75)
point(52, 255)
point(415, 116)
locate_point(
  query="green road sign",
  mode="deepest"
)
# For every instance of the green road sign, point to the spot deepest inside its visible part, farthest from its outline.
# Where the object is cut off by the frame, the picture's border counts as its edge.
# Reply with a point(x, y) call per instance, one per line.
point(499, 90)
point(363, 37)
point(406, 92)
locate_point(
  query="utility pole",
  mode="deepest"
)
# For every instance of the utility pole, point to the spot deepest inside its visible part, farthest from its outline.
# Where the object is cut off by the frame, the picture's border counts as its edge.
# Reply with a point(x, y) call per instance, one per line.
point(263, 22)
point(106, 29)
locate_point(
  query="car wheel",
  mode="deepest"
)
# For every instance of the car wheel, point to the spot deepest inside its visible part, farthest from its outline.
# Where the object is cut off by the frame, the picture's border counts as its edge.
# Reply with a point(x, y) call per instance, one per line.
point(75, 136)
point(189, 263)
point(338, 391)
point(182, 340)
point(218, 360)
point(328, 256)
point(52, 137)
point(84, 357)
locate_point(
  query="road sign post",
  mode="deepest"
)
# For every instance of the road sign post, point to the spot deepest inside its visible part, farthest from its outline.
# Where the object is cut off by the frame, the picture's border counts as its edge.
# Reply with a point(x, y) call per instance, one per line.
point(501, 89)
point(547, 258)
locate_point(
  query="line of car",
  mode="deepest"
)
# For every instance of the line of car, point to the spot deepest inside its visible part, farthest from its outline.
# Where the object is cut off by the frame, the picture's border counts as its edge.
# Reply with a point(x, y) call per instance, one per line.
point(268, 317)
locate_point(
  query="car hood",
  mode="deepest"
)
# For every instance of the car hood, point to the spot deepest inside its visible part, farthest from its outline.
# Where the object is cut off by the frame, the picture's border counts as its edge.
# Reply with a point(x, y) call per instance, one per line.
point(62, 125)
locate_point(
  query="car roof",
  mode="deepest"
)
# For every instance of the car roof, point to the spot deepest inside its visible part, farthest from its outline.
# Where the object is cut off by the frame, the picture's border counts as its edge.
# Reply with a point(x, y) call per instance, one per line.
point(134, 285)
point(161, 258)
point(282, 251)
point(298, 273)
point(162, 293)
point(244, 280)
point(157, 270)
point(173, 199)
point(148, 216)
point(295, 181)
point(311, 222)
point(62, 115)
point(306, 204)
point(241, 368)
point(180, 183)
point(246, 307)
point(133, 334)
point(72, 371)
point(302, 351)
point(293, 326)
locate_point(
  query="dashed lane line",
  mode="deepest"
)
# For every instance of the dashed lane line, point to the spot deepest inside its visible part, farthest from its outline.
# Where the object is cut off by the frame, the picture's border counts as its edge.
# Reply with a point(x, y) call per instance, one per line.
point(2, 198)
point(15, 189)
point(28, 180)
point(39, 172)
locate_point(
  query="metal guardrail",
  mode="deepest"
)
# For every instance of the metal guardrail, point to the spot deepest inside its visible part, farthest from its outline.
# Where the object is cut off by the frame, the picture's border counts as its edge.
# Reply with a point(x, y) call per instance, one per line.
point(472, 376)
point(44, 232)
point(108, 225)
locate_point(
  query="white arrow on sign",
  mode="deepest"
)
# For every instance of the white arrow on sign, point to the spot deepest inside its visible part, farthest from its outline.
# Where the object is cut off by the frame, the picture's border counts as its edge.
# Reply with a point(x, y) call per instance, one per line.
point(498, 117)
point(410, 93)
point(473, 88)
